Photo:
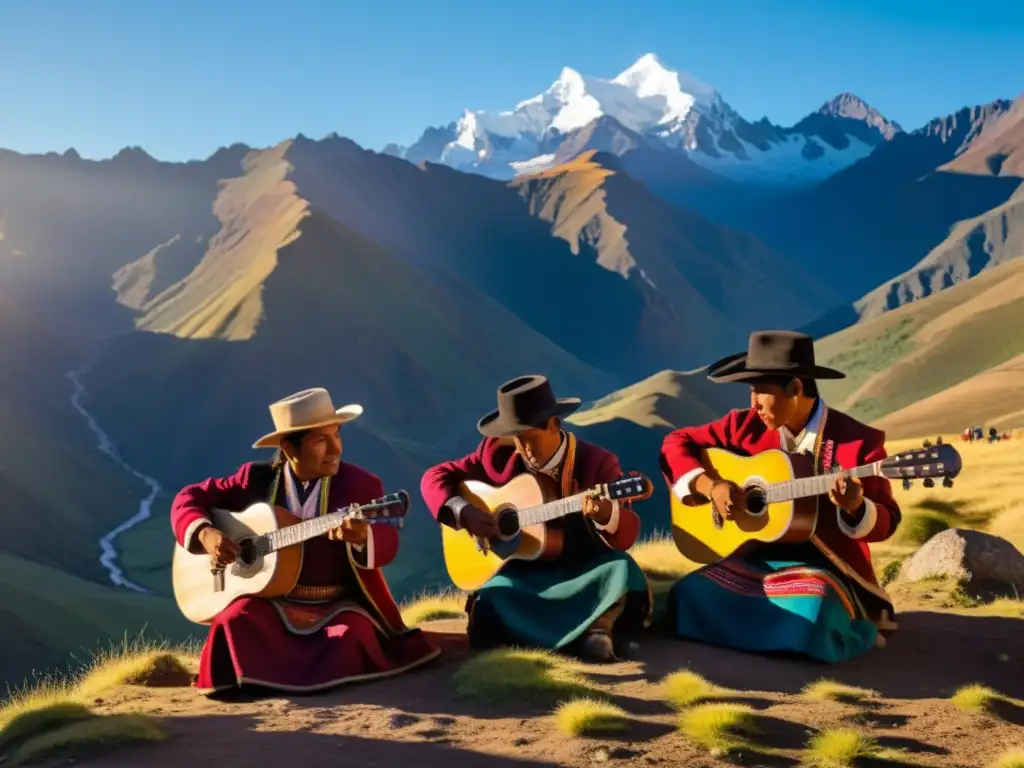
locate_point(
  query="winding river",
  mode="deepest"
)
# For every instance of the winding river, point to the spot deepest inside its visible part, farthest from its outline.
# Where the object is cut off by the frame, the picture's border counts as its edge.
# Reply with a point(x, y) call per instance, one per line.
point(108, 548)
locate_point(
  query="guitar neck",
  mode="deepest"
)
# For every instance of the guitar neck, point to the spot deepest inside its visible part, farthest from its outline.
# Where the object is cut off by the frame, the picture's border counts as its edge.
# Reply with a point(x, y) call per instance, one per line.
point(816, 485)
point(552, 510)
point(307, 529)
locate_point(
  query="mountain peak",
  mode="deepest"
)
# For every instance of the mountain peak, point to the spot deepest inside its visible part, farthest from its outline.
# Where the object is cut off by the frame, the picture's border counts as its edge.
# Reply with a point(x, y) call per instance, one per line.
point(648, 63)
point(852, 107)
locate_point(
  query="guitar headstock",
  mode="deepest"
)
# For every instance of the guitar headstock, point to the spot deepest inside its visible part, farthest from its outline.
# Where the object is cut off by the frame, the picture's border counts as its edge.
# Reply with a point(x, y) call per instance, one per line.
point(631, 487)
point(942, 460)
point(389, 509)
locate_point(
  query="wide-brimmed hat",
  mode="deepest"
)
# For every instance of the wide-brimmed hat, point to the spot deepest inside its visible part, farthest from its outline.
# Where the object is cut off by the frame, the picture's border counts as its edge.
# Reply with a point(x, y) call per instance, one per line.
point(773, 353)
point(524, 403)
point(308, 409)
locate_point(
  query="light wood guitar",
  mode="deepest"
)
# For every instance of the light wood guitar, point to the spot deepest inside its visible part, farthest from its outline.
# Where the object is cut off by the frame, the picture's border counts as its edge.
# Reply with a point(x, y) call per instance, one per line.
point(782, 496)
point(522, 508)
point(270, 539)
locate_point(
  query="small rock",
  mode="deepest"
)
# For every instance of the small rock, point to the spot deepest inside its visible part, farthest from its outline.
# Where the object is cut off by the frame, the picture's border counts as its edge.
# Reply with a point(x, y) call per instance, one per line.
point(971, 557)
point(599, 755)
point(97, 701)
point(444, 720)
point(520, 742)
point(401, 720)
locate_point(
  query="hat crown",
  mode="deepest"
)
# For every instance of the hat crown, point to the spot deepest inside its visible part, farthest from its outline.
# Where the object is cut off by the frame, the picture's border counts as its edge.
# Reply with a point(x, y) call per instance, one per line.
point(525, 397)
point(780, 350)
point(302, 409)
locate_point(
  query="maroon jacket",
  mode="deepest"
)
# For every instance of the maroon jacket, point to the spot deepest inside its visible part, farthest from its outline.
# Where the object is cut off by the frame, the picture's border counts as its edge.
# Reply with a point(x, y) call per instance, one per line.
point(496, 461)
point(844, 442)
point(325, 561)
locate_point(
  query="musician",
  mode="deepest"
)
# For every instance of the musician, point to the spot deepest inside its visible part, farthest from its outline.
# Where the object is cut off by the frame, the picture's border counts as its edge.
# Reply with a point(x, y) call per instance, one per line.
point(819, 598)
point(582, 600)
point(340, 622)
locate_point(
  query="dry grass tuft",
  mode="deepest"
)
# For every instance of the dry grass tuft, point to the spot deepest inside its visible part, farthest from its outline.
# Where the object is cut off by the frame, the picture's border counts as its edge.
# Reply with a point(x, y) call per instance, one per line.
point(79, 735)
point(840, 748)
point(975, 698)
point(511, 674)
point(427, 607)
point(588, 716)
point(830, 690)
point(683, 689)
point(1012, 759)
point(720, 727)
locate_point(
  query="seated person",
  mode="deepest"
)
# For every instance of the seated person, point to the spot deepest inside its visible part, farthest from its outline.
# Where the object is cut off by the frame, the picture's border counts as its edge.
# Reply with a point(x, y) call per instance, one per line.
point(340, 622)
point(579, 598)
point(818, 598)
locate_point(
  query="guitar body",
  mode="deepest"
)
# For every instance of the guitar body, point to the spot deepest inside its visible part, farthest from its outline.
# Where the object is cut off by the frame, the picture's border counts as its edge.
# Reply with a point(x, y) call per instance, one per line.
point(694, 530)
point(251, 575)
point(468, 567)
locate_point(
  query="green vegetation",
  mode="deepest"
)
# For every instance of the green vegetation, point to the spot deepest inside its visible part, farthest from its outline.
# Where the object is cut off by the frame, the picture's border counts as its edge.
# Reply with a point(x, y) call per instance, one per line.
point(427, 607)
point(830, 690)
point(589, 716)
point(685, 688)
point(720, 727)
point(510, 674)
point(840, 748)
point(917, 527)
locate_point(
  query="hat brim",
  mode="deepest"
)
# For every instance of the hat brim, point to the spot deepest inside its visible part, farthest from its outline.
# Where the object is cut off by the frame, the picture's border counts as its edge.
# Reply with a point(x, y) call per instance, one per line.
point(734, 368)
point(491, 425)
point(343, 415)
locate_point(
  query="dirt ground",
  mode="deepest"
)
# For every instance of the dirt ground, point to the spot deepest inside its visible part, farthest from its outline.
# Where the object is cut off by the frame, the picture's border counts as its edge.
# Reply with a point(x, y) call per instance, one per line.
point(416, 719)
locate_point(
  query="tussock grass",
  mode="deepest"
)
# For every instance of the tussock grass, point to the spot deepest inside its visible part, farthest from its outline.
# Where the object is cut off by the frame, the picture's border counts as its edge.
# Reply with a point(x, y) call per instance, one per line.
point(840, 748)
point(720, 727)
point(830, 690)
point(980, 699)
point(1012, 759)
point(659, 558)
point(511, 674)
point(427, 607)
point(80, 735)
point(588, 715)
point(685, 688)
point(54, 716)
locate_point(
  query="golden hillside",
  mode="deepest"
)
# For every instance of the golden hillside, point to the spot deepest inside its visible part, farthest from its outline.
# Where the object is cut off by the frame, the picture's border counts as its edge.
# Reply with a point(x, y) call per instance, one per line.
point(927, 347)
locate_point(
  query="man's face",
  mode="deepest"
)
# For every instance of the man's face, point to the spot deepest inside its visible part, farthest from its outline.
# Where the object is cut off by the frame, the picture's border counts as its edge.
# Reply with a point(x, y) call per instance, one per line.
point(539, 444)
point(773, 404)
point(320, 452)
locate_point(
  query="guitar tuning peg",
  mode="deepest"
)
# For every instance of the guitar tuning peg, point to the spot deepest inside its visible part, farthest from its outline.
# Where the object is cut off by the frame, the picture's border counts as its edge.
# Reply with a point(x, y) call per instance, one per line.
point(928, 483)
point(947, 482)
point(907, 483)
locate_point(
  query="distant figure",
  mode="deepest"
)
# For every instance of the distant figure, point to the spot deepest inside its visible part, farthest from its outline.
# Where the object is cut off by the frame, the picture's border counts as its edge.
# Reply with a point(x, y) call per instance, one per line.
point(339, 623)
point(821, 597)
point(580, 598)
point(938, 440)
point(993, 434)
point(927, 443)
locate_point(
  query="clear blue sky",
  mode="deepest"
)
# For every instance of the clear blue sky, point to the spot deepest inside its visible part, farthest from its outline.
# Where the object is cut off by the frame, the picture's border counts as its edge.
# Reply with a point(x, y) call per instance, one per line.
point(182, 77)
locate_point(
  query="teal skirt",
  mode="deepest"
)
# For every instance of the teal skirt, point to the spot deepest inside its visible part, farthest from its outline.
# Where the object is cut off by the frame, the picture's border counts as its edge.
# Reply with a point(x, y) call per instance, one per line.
point(551, 604)
point(771, 605)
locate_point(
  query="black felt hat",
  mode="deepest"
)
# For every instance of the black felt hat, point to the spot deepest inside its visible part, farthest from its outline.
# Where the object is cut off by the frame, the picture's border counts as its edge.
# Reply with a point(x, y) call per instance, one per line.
point(773, 353)
point(524, 403)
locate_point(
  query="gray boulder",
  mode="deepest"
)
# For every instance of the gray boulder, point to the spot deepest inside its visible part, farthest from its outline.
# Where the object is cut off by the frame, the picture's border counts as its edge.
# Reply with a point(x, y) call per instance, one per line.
point(972, 557)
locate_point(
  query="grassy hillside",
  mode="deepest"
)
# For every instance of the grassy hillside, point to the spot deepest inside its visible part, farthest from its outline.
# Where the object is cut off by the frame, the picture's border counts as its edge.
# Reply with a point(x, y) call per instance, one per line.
point(50, 618)
point(919, 350)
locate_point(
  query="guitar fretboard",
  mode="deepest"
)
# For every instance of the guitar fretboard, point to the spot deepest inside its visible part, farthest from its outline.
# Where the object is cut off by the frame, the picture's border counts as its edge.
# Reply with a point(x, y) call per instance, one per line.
point(552, 510)
point(307, 529)
point(816, 485)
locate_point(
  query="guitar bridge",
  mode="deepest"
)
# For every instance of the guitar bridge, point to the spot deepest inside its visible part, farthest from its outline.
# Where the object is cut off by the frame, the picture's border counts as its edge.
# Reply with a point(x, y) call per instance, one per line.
point(483, 545)
point(218, 579)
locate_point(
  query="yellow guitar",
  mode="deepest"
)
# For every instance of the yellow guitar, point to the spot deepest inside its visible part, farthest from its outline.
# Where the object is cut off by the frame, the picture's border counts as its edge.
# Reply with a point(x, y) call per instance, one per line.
point(521, 507)
point(782, 496)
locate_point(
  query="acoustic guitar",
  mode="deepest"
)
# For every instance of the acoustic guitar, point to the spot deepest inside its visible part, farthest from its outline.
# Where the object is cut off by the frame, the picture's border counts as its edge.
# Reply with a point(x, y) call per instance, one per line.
point(270, 559)
point(522, 508)
point(782, 491)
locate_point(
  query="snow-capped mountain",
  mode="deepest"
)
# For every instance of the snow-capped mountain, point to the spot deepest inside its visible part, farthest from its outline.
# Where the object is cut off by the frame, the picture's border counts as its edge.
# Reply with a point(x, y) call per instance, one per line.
point(672, 109)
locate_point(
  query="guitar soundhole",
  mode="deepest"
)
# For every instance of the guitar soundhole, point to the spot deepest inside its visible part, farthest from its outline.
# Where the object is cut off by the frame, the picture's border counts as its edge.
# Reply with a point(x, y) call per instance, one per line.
point(508, 523)
point(249, 552)
point(756, 502)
